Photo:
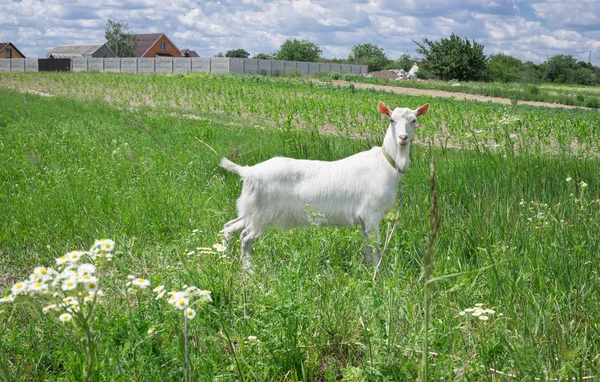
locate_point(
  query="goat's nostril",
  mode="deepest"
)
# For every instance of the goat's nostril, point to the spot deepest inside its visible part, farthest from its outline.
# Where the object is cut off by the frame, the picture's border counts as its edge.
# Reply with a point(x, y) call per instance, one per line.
point(403, 137)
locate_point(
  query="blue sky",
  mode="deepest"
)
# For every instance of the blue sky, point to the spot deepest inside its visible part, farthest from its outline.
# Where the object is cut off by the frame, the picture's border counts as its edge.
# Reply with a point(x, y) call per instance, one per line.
point(531, 30)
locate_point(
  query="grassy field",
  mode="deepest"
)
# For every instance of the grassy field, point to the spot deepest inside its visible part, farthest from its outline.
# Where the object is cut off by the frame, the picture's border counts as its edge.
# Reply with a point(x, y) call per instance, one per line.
point(566, 94)
point(118, 156)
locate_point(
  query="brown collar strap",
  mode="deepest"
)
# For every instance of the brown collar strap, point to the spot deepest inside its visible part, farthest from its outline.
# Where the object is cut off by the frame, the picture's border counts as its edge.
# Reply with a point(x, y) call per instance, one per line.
point(389, 158)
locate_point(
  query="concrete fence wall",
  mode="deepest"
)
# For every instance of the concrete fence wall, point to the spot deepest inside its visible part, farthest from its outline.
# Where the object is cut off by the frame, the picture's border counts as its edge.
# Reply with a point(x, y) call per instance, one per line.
point(187, 65)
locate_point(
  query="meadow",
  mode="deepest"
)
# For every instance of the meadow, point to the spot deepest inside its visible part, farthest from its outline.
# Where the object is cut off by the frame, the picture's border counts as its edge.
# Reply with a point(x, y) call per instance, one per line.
point(565, 94)
point(86, 156)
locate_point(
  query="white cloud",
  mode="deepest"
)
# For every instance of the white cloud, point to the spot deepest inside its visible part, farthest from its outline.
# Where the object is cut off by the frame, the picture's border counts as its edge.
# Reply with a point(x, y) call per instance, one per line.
point(526, 29)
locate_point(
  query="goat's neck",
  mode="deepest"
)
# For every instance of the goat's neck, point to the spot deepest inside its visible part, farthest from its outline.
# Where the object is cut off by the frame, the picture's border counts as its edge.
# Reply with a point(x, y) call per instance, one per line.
point(400, 154)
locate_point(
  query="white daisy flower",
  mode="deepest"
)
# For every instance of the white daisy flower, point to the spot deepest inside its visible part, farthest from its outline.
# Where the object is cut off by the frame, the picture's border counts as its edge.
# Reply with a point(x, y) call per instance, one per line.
point(141, 283)
point(190, 313)
point(220, 247)
point(48, 308)
point(69, 284)
point(86, 268)
point(158, 289)
point(9, 298)
point(20, 287)
point(182, 303)
point(484, 318)
point(65, 317)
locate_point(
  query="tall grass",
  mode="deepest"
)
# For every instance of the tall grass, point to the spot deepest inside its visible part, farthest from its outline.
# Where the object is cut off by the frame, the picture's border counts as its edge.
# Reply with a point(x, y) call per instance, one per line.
point(522, 238)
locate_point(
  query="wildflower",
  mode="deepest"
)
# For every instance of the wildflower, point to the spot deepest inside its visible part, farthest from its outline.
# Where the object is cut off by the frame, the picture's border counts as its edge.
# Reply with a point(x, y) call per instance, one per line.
point(151, 330)
point(205, 295)
point(158, 289)
point(182, 303)
point(62, 260)
point(48, 308)
point(131, 277)
point(74, 256)
point(461, 313)
point(220, 247)
point(91, 285)
point(476, 312)
point(484, 318)
point(65, 317)
point(569, 180)
point(104, 245)
point(190, 253)
point(70, 300)
point(190, 313)
point(69, 284)
point(20, 287)
point(43, 273)
point(86, 268)
point(583, 184)
point(252, 338)
point(160, 295)
point(38, 287)
point(8, 298)
point(141, 283)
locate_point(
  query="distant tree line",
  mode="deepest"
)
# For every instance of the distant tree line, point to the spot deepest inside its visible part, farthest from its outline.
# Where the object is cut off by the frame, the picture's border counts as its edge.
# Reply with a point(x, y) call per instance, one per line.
point(451, 58)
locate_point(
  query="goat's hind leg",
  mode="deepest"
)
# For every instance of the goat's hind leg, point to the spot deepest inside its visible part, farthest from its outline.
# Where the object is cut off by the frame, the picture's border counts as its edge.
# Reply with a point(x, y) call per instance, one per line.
point(233, 226)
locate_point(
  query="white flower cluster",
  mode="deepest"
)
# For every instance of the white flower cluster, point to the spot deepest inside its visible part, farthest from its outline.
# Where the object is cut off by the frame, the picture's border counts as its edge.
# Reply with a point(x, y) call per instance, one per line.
point(478, 311)
point(183, 299)
point(71, 284)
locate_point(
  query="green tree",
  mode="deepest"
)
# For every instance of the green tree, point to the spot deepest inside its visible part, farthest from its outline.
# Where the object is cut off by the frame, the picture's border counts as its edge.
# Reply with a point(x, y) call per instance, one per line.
point(368, 54)
point(237, 53)
point(120, 39)
point(296, 50)
point(504, 68)
point(454, 58)
point(263, 56)
point(559, 68)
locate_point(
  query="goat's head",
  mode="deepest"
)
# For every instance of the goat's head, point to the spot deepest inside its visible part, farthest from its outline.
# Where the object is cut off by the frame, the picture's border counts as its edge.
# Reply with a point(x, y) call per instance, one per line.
point(402, 122)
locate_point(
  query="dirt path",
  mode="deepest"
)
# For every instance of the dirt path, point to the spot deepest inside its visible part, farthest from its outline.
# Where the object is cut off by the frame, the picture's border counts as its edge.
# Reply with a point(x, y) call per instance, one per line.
point(442, 93)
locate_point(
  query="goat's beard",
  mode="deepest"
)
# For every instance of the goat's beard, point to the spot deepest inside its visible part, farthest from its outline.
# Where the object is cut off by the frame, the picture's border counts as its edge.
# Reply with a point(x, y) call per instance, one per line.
point(403, 157)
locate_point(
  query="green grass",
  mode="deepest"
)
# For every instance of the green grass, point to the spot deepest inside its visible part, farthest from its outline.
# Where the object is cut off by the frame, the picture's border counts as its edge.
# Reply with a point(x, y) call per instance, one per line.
point(522, 239)
point(573, 95)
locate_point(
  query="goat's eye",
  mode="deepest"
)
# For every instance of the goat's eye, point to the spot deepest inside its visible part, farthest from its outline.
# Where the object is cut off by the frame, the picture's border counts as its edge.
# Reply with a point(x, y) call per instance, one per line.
point(392, 121)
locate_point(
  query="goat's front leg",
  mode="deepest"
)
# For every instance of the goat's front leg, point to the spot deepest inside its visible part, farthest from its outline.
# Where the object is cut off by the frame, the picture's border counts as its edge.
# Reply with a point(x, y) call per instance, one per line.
point(372, 254)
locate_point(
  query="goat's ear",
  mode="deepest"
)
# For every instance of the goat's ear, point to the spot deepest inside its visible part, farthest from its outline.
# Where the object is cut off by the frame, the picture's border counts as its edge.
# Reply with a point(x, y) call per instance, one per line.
point(422, 110)
point(384, 109)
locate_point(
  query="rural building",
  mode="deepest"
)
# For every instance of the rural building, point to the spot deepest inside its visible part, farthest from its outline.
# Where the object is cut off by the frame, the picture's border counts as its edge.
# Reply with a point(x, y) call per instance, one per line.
point(189, 53)
point(81, 51)
point(155, 45)
point(8, 50)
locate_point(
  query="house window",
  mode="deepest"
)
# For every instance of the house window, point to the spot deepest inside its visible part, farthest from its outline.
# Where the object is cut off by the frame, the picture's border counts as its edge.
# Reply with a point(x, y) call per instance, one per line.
point(163, 45)
point(8, 53)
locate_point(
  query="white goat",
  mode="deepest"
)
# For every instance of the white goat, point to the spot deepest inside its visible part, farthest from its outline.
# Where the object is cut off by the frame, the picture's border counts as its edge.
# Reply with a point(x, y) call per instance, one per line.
point(359, 189)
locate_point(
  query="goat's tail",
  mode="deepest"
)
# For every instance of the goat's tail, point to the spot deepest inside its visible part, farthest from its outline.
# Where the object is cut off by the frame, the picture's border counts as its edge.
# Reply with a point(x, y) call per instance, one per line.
point(230, 166)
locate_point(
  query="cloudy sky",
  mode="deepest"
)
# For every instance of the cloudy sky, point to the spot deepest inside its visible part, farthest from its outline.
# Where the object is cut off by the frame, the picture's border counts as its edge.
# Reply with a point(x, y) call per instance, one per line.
point(531, 30)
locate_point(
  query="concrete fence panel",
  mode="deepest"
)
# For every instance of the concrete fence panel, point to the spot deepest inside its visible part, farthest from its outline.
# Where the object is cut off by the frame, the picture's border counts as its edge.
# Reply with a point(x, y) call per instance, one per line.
point(250, 66)
point(346, 68)
point(276, 68)
point(129, 65)
point(182, 65)
point(112, 64)
point(219, 65)
point(313, 67)
point(302, 68)
point(145, 65)
point(201, 65)
point(17, 64)
point(96, 64)
point(265, 67)
point(163, 65)
point(4, 65)
point(31, 65)
point(79, 64)
point(236, 65)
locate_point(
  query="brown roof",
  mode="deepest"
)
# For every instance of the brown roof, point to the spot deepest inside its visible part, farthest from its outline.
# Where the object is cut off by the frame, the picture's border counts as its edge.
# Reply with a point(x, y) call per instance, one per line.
point(143, 42)
point(189, 53)
point(3, 45)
